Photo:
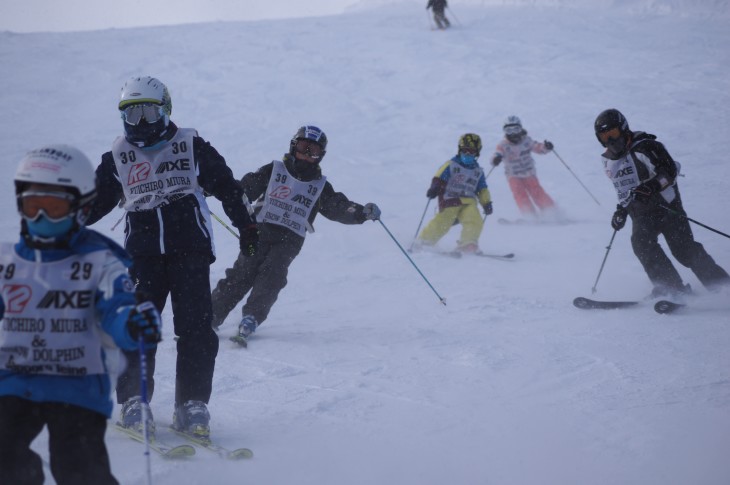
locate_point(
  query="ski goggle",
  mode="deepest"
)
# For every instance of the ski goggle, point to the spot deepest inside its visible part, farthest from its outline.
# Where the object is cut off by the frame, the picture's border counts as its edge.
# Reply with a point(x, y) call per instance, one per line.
point(612, 134)
point(134, 113)
point(56, 206)
point(468, 150)
point(312, 149)
point(512, 129)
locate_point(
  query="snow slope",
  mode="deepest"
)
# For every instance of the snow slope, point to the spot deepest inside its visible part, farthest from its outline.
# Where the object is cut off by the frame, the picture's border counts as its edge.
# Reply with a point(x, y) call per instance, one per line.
point(360, 376)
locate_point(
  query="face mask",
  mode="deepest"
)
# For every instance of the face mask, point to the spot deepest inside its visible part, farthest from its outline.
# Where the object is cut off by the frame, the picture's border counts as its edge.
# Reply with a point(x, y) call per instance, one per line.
point(467, 158)
point(42, 227)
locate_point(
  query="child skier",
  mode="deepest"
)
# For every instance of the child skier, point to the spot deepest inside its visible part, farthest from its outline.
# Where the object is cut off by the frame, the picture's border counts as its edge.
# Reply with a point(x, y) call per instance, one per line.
point(290, 194)
point(516, 150)
point(459, 184)
point(68, 303)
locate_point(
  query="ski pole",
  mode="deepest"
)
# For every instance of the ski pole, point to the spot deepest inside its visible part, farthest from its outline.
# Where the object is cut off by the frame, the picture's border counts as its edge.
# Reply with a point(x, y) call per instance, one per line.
point(576, 177)
point(441, 299)
point(224, 224)
point(608, 248)
point(143, 393)
point(419, 225)
point(692, 220)
point(454, 15)
point(430, 21)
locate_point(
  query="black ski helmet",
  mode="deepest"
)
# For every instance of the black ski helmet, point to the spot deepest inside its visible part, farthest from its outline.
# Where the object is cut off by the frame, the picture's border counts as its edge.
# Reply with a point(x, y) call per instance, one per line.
point(309, 132)
point(608, 120)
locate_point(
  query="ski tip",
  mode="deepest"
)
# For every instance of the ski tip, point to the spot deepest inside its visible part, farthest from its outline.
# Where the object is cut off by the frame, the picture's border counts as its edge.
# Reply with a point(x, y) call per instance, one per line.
point(240, 454)
point(581, 302)
point(239, 340)
point(665, 306)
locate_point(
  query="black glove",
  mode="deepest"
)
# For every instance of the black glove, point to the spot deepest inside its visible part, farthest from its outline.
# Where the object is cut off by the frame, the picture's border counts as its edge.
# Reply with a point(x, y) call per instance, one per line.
point(643, 192)
point(432, 192)
point(144, 322)
point(488, 208)
point(496, 159)
point(618, 221)
point(371, 212)
point(548, 145)
point(249, 240)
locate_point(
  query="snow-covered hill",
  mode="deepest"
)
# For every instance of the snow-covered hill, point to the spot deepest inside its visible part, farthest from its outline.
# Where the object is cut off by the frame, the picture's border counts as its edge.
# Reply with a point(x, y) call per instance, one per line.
point(360, 376)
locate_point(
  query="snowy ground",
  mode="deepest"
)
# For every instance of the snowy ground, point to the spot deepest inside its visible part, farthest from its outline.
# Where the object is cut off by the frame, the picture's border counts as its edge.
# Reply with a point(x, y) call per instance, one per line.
point(360, 376)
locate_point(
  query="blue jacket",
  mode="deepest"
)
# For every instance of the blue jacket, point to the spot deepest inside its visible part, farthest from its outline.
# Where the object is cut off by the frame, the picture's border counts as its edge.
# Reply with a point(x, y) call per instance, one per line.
point(92, 391)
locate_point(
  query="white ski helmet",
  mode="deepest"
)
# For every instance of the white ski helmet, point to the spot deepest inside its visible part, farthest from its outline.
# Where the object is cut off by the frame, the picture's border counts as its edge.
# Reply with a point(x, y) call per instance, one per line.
point(145, 89)
point(58, 164)
point(512, 121)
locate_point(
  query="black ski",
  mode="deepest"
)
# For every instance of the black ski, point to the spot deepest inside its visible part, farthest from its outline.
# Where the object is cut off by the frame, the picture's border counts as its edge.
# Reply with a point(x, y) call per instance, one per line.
point(168, 451)
point(208, 444)
point(666, 306)
point(588, 304)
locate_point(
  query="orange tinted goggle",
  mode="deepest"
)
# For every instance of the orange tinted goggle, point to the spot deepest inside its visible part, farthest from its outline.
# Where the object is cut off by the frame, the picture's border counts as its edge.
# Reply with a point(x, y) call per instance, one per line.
point(55, 205)
point(612, 134)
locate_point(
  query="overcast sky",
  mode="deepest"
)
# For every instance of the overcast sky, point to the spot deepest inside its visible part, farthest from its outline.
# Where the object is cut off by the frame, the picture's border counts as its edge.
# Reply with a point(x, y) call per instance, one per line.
point(75, 15)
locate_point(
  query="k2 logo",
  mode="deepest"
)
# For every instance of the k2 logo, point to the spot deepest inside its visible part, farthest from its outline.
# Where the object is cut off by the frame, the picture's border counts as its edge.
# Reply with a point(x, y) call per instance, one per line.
point(281, 192)
point(16, 297)
point(139, 173)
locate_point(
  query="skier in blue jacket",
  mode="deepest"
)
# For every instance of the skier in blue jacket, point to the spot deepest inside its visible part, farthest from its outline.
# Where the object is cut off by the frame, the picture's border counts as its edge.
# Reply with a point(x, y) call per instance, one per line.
point(67, 306)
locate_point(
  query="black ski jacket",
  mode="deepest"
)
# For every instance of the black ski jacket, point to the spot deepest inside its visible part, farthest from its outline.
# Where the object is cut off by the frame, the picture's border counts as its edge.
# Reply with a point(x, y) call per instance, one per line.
point(180, 227)
point(333, 205)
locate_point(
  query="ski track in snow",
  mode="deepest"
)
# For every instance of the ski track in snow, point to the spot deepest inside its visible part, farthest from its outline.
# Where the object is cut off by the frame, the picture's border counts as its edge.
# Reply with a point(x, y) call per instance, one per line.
point(359, 375)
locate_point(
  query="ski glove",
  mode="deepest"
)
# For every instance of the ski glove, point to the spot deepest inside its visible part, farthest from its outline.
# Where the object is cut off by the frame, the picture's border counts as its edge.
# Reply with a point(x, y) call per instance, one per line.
point(371, 212)
point(432, 192)
point(643, 192)
point(488, 208)
point(496, 159)
point(548, 145)
point(249, 240)
point(618, 221)
point(144, 322)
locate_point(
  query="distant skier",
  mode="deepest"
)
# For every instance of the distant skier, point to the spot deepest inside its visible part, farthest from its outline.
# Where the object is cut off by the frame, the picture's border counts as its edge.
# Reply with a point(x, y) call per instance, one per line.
point(645, 178)
point(289, 194)
point(516, 151)
point(160, 174)
point(439, 15)
point(459, 185)
point(68, 304)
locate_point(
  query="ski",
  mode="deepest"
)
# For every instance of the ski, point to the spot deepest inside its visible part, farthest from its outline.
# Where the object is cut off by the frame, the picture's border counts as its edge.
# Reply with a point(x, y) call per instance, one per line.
point(240, 340)
point(163, 449)
point(208, 444)
point(588, 304)
point(666, 306)
point(495, 256)
point(529, 222)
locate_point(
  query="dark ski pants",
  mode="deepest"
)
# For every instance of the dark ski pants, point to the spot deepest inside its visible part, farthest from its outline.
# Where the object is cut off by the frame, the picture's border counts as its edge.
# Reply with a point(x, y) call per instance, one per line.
point(186, 279)
point(646, 228)
point(75, 441)
point(440, 18)
point(263, 274)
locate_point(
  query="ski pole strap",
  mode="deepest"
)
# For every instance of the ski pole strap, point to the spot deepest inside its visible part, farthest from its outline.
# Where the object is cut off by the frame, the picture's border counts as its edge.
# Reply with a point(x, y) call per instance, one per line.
point(441, 299)
point(669, 209)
